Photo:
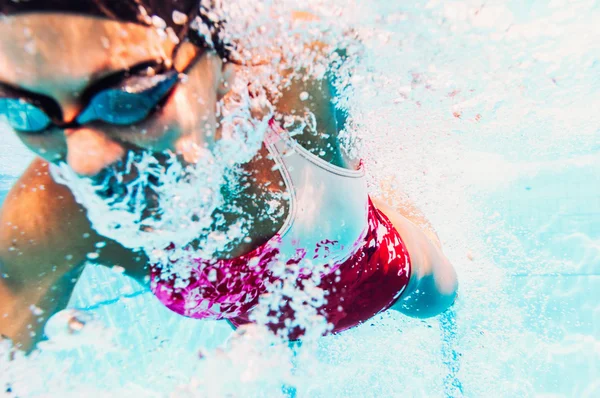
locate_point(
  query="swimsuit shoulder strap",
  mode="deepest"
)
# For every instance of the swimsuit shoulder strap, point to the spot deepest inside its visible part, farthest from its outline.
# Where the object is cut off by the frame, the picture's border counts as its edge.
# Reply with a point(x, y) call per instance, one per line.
point(328, 202)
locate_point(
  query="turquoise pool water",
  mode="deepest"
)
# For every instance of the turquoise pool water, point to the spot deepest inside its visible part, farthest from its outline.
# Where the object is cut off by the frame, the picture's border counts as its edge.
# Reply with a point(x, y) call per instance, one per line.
point(486, 114)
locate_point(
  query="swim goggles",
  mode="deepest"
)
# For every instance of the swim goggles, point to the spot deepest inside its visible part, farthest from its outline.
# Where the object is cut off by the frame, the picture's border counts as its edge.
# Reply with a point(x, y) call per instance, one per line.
point(131, 96)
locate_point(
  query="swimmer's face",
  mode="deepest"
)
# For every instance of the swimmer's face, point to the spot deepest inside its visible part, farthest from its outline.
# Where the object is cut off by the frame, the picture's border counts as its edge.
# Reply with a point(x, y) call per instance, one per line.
point(67, 59)
point(146, 183)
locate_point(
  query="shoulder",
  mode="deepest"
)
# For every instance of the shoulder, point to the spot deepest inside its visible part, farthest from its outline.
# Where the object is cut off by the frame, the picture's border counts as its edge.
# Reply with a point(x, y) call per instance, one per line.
point(36, 221)
point(314, 97)
point(43, 228)
point(40, 222)
point(40, 209)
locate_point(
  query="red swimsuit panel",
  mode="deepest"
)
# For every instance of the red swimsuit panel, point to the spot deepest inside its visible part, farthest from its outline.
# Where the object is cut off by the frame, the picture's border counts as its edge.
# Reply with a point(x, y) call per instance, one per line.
point(368, 282)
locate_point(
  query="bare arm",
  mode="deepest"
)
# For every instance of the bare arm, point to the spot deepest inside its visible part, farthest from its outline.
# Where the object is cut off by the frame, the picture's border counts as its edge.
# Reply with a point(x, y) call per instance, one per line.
point(433, 284)
point(44, 241)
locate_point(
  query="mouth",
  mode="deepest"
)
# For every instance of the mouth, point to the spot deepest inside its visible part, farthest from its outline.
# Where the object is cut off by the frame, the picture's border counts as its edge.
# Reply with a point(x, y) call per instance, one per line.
point(126, 186)
point(147, 200)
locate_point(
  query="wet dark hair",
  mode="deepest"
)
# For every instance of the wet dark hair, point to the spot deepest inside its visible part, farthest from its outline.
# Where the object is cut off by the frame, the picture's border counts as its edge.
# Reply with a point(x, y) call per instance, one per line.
point(136, 11)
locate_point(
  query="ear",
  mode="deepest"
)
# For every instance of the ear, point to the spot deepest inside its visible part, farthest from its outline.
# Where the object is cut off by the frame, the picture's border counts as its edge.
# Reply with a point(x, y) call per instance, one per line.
point(226, 75)
point(226, 80)
point(185, 54)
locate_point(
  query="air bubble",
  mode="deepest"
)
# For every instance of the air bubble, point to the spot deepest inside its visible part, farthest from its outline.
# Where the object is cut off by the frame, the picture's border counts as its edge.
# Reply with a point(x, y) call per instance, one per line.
point(158, 22)
point(179, 18)
point(93, 256)
point(118, 269)
point(35, 310)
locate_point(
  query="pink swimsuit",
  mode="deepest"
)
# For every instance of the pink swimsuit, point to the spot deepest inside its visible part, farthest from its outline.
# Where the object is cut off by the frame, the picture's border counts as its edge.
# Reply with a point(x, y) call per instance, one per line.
point(369, 282)
point(372, 261)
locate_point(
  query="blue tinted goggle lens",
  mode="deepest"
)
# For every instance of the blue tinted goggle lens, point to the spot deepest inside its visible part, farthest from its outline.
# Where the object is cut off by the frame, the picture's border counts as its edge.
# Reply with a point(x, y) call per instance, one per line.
point(23, 116)
point(130, 103)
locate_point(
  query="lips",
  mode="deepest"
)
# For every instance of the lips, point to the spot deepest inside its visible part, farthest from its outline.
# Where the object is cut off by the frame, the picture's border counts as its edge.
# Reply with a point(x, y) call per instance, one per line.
point(111, 183)
point(123, 185)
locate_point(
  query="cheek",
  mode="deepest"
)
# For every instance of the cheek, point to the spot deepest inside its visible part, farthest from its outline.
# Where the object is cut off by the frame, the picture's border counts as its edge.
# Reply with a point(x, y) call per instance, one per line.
point(50, 145)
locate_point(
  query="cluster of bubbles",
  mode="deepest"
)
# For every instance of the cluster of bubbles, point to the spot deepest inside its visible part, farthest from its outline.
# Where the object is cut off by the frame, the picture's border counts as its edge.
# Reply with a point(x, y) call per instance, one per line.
point(279, 46)
point(283, 45)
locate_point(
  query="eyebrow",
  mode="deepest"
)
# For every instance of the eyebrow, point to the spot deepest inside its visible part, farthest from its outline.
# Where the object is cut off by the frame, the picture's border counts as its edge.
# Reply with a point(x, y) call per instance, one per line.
point(51, 105)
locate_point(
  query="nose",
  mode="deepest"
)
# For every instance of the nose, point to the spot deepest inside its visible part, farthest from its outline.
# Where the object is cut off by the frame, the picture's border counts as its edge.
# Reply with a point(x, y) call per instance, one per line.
point(89, 151)
point(70, 112)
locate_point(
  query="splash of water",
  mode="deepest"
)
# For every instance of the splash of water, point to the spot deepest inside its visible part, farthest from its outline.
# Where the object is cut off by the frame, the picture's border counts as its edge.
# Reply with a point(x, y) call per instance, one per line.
point(443, 91)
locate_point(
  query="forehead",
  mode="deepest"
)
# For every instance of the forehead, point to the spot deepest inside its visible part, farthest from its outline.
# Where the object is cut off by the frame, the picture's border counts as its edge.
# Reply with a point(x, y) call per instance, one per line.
point(44, 47)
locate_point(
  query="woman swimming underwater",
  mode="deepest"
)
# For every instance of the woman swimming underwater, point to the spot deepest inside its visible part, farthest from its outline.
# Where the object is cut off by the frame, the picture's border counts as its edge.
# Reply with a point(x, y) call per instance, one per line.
point(133, 109)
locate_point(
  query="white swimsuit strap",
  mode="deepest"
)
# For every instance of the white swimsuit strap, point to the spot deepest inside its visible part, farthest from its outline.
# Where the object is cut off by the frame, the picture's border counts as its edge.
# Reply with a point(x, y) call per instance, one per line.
point(327, 202)
point(278, 134)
